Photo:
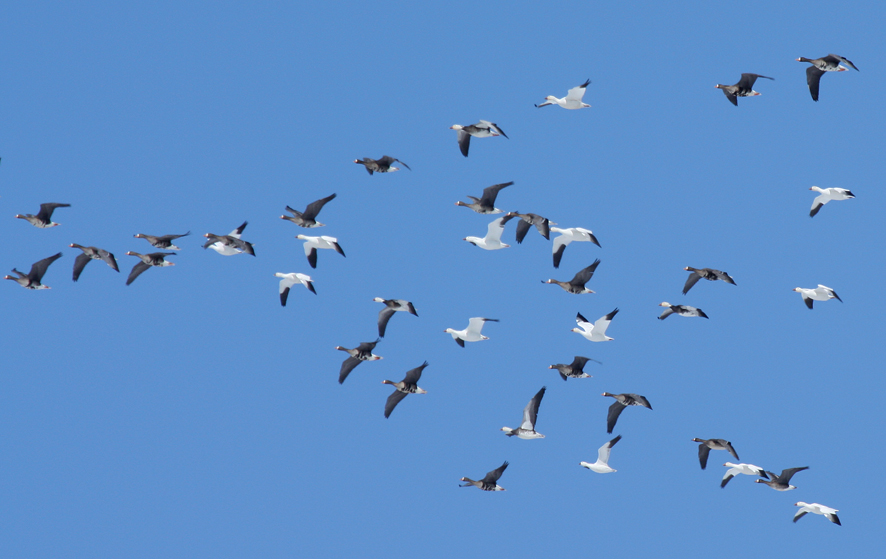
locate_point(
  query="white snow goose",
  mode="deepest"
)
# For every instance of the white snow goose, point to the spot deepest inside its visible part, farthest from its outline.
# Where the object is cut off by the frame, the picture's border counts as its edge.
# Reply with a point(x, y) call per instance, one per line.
point(488, 483)
point(783, 481)
point(526, 430)
point(492, 240)
point(383, 165)
point(826, 195)
point(577, 284)
point(572, 99)
point(32, 279)
point(230, 244)
point(542, 224)
point(483, 129)
point(820, 293)
point(314, 243)
point(162, 241)
point(744, 88)
point(709, 274)
point(288, 280)
point(486, 204)
point(407, 386)
point(707, 445)
point(472, 332)
point(682, 310)
point(391, 306)
point(307, 218)
point(595, 332)
point(601, 466)
point(89, 254)
point(746, 469)
point(574, 369)
point(43, 219)
point(147, 261)
point(816, 508)
point(621, 402)
point(362, 352)
point(566, 237)
point(829, 63)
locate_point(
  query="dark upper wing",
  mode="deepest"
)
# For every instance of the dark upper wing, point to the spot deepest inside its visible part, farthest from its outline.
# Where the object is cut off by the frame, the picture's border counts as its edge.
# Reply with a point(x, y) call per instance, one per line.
point(493, 476)
point(723, 276)
point(490, 192)
point(787, 474)
point(585, 275)
point(392, 402)
point(312, 258)
point(532, 408)
point(367, 347)
point(346, 367)
point(464, 142)
point(411, 309)
point(578, 364)
point(412, 375)
point(747, 80)
point(690, 281)
point(46, 210)
point(522, 228)
point(314, 207)
point(544, 227)
point(136, 271)
point(731, 450)
point(841, 59)
point(384, 316)
point(166, 238)
point(284, 295)
point(640, 400)
point(703, 452)
point(813, 77)
point(39, 268)
point(731, 96)
point(109, 259)
point(404, 164)
point(79, 263)
point(614, 411)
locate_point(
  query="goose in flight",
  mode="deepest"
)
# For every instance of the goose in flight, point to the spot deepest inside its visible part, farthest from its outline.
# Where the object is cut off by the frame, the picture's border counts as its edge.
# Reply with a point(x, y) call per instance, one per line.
point(621, 402)
point(744, 88)
point(483, 129)
point(816, 508)
point(383, 165)
point(43, 219)
point(391, 306)
point(147, 261)
point(574, 369)
point(826, 195)
point(307, 218)
point(820, 293)
point(595, 332)
point(488, 483)
point(230, 244)
point(314, 243)
point(746, 469)
point(526, 430)
point(542, 224)
point(359, 354)
point(32, 279)
point(783, 481)
point(407, 386)
point(486, 204)
point(709, 274)
point(577, 284)
point(492, 240)
point(566, 237)
point(707, 445)
point(829, 63)
point(682, 310)
point(472, 332)
point(601, 466)
point(572, 99)
point(163, 241)
point(288, 280)
point(89, 254)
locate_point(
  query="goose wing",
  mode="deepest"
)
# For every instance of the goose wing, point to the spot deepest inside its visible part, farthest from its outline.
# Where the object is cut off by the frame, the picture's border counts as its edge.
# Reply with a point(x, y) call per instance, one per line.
point(493, 476)
point(392, 402)
point(813, 77)
point(530, 412)
point(844, 61)
point(614, 411)
point(604, 451)
point(494, 128)
point(603, 322)
point(79, 263)
point(346, 367)
point(413, 375)
point(38, 269)
point(314, 207)
point(703, 452)
point(464, 142)
point(475, 325)
point(136, 271)
point(491, 192)
point(383, 317)
point(576, 93)
point(585, 275)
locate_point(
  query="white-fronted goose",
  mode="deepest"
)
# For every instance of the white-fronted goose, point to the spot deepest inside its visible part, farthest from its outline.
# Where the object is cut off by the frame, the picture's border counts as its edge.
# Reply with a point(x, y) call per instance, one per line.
point(314, 243)
point(162, 241)
point(707, 445)
point(488, 483)
point(486, 204)
point(32, 279)
point(595, 332)
point(574, 369)
point(744, 88)
point(407, 386)
point(526, 430)
point(572, 99)
point(288, 280)
point(826, 195)
point(709, 274)
point(391, 306)
point(43, 219)
point(472, 332)
point(147, 261)
point(829, 63)
point(682, 310)
point(746, 469)
point(621, 402)
point(382, 165)
point(542, 224)
point(92, 253)
point(782, 482)
point(820, 293)
point(601, 466)
point(307, 218)
point(816, 508)
point(492, 240)
point(362, 352)
point(230, 244)
point(577, 284)
point(483, 129)
point(567, 236)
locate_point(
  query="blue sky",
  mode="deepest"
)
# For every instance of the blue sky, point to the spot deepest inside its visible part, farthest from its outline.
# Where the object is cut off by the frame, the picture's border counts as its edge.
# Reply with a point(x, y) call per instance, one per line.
point(190, 415)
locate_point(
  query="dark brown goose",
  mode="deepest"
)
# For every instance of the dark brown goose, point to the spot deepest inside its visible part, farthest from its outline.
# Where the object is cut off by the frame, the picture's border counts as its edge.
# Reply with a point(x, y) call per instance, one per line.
point(488, 483)
point(574, 369)
point(829, 63)
point(744, 88)
point(782, 482)
point(709, 274)
point(621, 402)
point(163, 241)
point(32, 279)
point(707, 445)
point(43, 219)
point(577, 284)
point(407, 386)
point(359, 354)
point(486, 204)
point(307, 218)
point(155, 259)
point(89, 254)
point(382, 165)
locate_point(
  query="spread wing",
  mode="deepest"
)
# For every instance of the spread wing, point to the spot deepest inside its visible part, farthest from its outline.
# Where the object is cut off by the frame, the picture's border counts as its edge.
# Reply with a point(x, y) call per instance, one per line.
point(493, 476)
point(603, 322)
point(690, 281)
point(490, 193)
point(314, 207)
point(392, 402)
point(464, 142)
point(703, 452)
point(813, 77)
point(495, 229)
point(383, 317)
point(614, 411)
point(79, 263)
point(603, 451)
point(38, 269)
point(136, 271)
point(585, 275)
point(346, 367)
point(576, 93)
point(844, 61)
point(494, 127)
point(109, 259)
point(413, 375)
point(530, 412)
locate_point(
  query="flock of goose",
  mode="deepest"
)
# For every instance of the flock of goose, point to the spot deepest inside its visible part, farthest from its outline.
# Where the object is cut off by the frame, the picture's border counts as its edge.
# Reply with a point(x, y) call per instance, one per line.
point(233, 244)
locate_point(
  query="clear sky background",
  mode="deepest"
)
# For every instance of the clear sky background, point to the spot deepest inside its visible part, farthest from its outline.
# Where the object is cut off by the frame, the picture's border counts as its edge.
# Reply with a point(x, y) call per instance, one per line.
point(190, 415)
